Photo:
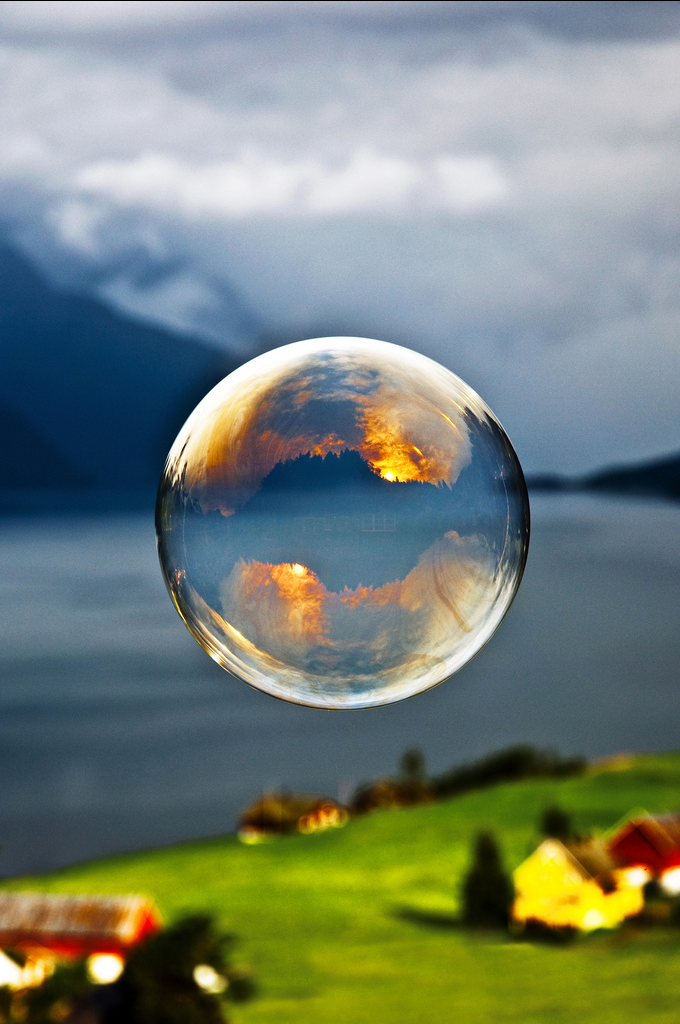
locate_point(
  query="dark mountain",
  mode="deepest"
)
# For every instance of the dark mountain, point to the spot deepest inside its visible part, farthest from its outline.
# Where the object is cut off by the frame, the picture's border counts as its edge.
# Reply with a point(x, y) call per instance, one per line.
point(338, 517)
point(313, 479)
point(89, 398)
point(27, 455)
point(337, 483)
point(661, 477)
point(658, 478)
point(343, 485)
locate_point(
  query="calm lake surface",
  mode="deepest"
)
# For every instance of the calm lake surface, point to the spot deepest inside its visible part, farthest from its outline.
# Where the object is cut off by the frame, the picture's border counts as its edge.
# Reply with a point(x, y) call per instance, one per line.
point(118, 732)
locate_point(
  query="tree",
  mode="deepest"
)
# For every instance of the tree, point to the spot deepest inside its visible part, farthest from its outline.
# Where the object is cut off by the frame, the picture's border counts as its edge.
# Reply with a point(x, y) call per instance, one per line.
point(162, 981)
point(413, 785)
point(487, 889)
point(412, 766)
point(556, 824)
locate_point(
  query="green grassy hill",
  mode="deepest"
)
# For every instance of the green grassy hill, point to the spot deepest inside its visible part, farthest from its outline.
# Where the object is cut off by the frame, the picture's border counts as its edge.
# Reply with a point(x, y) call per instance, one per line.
point(328, 922)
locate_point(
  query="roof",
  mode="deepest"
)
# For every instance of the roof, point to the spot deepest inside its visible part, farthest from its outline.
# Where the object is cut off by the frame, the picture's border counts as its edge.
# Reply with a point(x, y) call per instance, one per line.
point(592, 856)
point(584, 860)
point(648, 840)
point(76, 924)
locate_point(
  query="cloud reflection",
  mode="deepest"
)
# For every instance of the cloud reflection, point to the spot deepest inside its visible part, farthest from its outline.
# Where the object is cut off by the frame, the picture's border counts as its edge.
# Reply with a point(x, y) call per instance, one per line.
point(277, 415)
point(287, 611)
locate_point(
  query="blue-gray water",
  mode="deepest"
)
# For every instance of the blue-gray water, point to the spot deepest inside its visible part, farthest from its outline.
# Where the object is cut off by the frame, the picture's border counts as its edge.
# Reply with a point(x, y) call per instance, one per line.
point(118, 732)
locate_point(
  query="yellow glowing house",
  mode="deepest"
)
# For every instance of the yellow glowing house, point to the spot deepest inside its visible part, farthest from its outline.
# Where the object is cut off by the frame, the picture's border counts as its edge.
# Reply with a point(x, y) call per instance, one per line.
point(575, 887)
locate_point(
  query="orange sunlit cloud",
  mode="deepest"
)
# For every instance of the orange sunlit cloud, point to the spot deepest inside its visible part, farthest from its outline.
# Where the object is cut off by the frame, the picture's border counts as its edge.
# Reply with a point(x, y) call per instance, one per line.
point(405, 438)
point(396, 426)
point(330, 443)
point(285, 601)
point(287, 611)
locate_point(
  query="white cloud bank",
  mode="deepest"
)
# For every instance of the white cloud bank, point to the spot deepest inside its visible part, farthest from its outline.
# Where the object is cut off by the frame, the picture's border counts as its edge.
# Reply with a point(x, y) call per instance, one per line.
point(255, 185)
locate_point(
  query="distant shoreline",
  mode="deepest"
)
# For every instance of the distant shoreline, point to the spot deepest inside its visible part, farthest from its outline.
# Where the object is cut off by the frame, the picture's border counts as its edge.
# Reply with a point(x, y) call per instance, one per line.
point(657, 478)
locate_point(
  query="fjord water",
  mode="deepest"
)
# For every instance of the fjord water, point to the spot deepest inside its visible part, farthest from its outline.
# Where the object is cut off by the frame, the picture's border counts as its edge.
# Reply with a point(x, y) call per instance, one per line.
point(118, 732)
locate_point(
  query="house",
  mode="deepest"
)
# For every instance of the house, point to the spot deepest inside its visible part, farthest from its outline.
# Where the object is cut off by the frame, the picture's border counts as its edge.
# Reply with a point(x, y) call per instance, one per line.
point(56, 925)
point(279, 813)
point(575, 886)
point(652, 843)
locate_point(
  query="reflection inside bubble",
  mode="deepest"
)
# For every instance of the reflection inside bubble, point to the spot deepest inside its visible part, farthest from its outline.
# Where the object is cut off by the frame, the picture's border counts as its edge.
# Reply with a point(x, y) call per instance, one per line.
point(342, 523)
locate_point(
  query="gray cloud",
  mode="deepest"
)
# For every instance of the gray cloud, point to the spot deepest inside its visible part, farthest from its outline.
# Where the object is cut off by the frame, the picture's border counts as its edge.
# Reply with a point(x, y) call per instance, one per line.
point(577, 20)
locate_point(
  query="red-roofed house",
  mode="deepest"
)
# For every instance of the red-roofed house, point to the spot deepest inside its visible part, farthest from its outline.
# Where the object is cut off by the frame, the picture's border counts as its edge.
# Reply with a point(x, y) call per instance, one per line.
point(651, 842)
point(75, 925)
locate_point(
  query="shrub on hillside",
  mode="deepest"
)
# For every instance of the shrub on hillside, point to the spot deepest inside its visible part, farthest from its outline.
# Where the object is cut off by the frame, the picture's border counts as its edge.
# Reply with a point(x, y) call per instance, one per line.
point(556, 824)
point(509, 765)
point(534, 930)
point(411, 786)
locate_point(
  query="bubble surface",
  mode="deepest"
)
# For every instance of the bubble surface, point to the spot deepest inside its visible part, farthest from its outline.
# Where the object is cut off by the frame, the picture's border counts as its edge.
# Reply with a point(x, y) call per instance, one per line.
point(342, 523)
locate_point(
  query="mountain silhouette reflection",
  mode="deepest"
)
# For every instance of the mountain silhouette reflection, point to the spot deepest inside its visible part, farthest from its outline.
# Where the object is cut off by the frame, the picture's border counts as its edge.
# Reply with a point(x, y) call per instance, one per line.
point(338, 517)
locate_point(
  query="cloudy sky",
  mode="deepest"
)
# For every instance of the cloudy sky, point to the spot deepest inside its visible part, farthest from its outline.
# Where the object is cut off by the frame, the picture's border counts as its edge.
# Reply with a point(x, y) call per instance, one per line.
point(494, 184)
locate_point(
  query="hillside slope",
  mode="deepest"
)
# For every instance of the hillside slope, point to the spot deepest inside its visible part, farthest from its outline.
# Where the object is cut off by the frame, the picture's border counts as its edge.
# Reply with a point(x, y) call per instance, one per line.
point(329, 922)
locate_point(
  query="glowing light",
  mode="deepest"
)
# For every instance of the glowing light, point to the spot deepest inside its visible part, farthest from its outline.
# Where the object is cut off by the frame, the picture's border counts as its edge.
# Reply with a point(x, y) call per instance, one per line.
point(34, 972)
point(593, 919)
point(373, 528)
point(252, 836)
point(104, 968)
point(637, 876)
point(670, 881)
point(326, 816)
point(10, 972)
point(207, 978)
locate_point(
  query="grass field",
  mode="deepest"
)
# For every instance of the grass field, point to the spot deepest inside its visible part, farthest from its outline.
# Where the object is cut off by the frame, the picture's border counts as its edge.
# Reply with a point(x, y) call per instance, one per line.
point(330, 922)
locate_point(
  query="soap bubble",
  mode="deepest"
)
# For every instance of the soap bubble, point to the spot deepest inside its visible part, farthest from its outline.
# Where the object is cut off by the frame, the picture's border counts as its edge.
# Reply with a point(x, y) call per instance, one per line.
point(342, 523)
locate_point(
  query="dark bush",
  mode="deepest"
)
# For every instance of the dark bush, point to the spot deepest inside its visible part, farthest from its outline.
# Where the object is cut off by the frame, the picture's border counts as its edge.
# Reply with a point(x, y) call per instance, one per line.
point(652, 891)
point(556, 824)
point(57, 998)
point(674, 913)
point(158, 986)
point(6, 999)
point(509, 765)
point(411, 786)
point(538, 931)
